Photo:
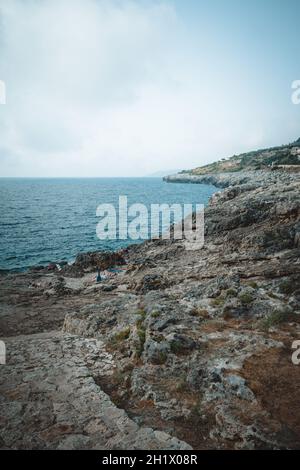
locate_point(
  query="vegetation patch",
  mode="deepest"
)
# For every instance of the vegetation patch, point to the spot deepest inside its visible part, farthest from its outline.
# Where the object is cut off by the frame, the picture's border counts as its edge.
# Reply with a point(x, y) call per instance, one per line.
point(176, 347)
point(199, 312)
point(246, 298)
point(155, 314)
point(253, 284)
point(139, 323)
point(121, 335)
point(141, 312)
point(158, 338)
point(141, 336)
point(218, 302)
point(231, 293)
point(276, 318)
point(287, 286)
point(162, 356)
point(272, 295)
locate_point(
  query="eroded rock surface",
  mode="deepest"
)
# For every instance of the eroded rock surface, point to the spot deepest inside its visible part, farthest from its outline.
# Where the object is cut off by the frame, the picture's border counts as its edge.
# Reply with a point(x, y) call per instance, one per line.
point(49, 399)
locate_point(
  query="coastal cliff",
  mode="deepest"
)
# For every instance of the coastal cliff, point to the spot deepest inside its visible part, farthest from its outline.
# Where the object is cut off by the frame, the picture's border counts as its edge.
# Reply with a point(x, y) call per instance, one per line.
point(285, 156)
point(224, 180)
point(179, 349)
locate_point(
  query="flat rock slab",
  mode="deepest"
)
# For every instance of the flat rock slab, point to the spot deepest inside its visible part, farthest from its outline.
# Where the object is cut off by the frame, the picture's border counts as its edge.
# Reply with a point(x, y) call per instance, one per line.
point(49, 399)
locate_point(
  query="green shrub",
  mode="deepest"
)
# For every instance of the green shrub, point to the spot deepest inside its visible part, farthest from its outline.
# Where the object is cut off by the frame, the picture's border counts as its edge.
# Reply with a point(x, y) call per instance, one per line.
point(176, 347)
point(155, 314)
point(141, 333)
point(141, 312)
point(275, 318)
point(231, 293)
point(253, 284)
point(287, 286)
point(161, 357)
point(246, 298)
point(122, 335)
point(217, 302)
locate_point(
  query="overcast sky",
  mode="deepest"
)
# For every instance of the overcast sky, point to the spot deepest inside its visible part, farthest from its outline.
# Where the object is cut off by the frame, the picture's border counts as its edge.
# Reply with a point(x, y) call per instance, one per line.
point(127, 88)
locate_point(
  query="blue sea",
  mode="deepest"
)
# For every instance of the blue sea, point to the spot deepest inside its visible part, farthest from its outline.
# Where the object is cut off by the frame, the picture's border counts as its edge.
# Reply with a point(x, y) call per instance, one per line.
point(52, 220)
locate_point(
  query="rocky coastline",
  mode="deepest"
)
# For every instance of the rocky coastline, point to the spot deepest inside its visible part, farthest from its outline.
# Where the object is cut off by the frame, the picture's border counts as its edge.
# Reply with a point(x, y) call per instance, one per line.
point(177, 349)
point(255, 178)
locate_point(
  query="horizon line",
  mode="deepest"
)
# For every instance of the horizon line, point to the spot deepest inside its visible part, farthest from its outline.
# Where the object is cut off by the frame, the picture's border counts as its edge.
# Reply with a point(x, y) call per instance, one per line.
point(77, 177)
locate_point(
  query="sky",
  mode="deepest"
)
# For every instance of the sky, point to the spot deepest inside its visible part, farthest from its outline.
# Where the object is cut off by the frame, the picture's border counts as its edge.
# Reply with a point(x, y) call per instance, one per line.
point(129, 88)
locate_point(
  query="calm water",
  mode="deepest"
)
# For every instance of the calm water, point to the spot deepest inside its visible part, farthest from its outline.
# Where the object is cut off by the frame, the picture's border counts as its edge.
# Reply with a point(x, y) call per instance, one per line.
point(45, 220)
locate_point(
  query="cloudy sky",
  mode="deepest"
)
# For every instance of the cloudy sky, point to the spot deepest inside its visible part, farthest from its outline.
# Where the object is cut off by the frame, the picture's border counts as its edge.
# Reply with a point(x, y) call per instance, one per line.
point(127, 88)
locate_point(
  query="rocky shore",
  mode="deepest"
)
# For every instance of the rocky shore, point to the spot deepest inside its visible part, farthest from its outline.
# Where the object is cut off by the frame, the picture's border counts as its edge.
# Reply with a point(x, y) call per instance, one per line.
point(224, 180)
point(178, 349)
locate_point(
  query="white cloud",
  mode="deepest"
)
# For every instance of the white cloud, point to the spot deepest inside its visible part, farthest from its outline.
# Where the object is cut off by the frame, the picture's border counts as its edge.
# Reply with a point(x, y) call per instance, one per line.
point(104, 87)
point(70, 67)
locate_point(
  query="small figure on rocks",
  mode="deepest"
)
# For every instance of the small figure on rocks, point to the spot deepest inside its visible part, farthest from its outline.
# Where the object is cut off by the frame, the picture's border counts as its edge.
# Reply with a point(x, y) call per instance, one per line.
point(98, 279)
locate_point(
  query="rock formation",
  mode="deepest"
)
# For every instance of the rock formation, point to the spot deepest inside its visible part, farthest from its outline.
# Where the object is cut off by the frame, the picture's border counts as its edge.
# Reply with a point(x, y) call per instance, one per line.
point(181, 349)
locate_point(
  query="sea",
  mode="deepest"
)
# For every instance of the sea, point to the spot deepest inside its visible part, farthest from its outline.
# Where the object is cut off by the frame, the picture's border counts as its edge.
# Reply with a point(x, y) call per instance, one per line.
point(46, 220)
